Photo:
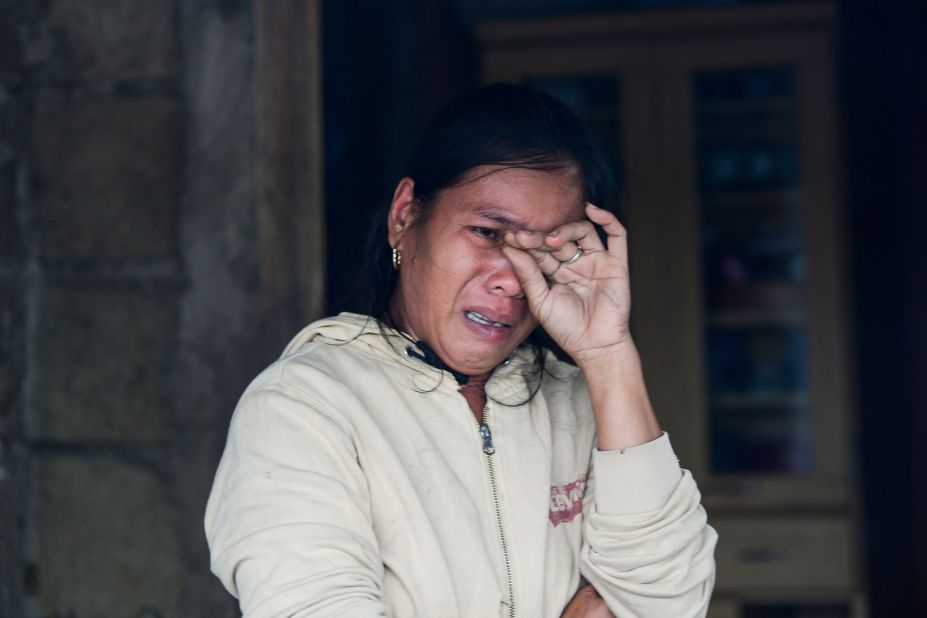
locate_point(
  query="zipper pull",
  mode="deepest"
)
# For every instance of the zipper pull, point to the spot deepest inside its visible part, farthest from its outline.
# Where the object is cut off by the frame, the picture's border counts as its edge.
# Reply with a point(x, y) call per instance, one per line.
point(488, 447)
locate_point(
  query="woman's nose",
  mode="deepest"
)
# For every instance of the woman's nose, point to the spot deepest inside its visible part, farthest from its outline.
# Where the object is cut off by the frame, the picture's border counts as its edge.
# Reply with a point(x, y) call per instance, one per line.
point(503, 281)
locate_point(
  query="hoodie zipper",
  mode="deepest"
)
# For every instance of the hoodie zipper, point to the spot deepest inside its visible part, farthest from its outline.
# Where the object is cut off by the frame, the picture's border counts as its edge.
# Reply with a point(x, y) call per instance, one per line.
point(489, 448)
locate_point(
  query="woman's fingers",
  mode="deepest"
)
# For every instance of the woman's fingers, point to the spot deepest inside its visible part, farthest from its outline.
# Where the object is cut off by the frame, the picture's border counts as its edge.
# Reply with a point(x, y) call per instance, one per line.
point(533, 244)
point(532, 278)
point(525, 239)
point(545, 261)
point(575, 286)
point(564, 246)
point(570, 253)
point(617, 235)
point(563, 254)
point(566, 238)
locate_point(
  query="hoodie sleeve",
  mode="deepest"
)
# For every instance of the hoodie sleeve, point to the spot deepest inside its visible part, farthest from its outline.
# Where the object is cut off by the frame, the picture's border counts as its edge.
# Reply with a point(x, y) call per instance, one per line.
point(647, 548)
point(288, 519)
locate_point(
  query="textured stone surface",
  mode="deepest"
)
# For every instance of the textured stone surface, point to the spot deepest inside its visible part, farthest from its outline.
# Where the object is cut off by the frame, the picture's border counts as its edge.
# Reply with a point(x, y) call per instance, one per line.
point(8, 236)
point(104, 364)
point(13, 515)
point(219, 310)
point(11, 122)
point(13, 483)
point(17, 25)
point(218, 352)
point(107, 177)
point(108, 545)
point(114, 381)
point(197, 456)
point(106, 147)
point(11, 353)
point(113, 39)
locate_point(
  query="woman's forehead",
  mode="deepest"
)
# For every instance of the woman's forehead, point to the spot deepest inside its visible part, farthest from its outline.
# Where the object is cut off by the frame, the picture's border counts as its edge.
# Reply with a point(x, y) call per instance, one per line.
point(518, 198)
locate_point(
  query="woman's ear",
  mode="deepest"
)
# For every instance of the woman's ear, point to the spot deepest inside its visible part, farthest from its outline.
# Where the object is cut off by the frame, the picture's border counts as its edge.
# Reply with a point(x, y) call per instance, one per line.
point(402, 210)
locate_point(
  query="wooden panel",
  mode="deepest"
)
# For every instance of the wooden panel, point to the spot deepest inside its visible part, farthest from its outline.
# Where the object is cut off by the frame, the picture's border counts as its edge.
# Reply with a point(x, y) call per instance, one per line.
point(652, 25)
point(771, 493)
point(828, 297)
point(290, 219)
point(782, 553)
point(573, 59)
point(721, 607)
point(806, 602)
point(665, 310)
point(674, 241)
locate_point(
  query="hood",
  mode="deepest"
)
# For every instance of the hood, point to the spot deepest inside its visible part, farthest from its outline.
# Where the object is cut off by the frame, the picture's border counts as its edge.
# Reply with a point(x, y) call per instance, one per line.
point(349, 329)
point(511, 381)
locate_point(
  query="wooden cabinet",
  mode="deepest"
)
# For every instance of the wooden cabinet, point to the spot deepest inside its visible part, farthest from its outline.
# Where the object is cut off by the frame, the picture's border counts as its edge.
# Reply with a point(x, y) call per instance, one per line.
point(725, 120)
point(783, 552)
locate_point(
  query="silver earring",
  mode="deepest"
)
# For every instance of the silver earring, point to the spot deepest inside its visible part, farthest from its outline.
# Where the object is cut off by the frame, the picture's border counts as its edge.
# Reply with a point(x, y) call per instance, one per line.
point(397, 259)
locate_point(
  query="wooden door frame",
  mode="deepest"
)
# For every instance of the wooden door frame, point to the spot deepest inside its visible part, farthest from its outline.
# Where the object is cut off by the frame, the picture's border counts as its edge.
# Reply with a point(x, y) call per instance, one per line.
point(289, 164)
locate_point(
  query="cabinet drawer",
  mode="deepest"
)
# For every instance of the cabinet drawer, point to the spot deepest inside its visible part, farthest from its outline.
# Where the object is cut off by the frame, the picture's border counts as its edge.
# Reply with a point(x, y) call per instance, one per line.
point(792, 552)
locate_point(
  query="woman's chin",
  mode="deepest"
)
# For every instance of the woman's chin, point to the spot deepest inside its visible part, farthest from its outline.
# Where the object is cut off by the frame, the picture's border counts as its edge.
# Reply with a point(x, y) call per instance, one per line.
point(477, 349)
point(481, 357)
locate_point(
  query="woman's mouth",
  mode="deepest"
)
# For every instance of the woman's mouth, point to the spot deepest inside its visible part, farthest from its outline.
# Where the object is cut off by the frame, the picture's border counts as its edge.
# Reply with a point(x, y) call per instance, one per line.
point(479, 318)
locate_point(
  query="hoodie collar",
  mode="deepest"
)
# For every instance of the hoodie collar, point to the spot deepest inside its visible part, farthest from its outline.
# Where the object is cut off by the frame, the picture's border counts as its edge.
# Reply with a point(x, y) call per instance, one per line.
point(510, 381)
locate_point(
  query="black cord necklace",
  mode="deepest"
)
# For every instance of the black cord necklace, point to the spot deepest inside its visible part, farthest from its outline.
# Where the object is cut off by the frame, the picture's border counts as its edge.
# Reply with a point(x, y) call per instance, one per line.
point(427, 355)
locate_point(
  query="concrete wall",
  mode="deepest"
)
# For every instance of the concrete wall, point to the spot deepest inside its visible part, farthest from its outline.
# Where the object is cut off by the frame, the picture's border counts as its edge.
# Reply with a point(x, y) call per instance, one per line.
point(129, 295)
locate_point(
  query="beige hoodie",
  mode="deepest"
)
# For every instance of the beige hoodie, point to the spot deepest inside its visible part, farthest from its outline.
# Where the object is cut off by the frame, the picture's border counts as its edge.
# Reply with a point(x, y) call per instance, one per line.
point(356, 482)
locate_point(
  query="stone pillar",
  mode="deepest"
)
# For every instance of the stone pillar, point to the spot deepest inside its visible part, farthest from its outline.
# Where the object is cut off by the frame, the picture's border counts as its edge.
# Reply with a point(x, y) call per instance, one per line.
point(160, 238)
point(219, 340)
point(128, 295)
point(98, 175)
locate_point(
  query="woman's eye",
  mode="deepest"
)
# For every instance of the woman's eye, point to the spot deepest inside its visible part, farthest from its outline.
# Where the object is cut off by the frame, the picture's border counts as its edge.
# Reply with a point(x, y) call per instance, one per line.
point(486, 233)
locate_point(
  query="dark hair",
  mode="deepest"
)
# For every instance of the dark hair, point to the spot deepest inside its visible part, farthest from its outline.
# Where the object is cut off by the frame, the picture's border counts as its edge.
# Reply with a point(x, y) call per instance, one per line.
point(501, 124)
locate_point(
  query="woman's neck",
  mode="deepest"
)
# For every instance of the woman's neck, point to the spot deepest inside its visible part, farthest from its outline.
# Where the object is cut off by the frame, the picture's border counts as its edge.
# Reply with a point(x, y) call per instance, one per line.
point(474, 391)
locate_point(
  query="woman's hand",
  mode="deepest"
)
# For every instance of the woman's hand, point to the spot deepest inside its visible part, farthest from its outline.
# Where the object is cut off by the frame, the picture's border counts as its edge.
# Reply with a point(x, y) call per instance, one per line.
point(586, 603)
point(576, 288)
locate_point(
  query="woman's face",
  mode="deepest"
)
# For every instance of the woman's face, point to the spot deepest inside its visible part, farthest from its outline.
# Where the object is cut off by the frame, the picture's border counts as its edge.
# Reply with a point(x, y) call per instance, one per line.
point(456, 289)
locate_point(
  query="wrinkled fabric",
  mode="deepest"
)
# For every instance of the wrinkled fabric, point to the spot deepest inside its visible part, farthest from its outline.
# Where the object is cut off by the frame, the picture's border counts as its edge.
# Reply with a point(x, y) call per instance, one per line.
point(354, 483)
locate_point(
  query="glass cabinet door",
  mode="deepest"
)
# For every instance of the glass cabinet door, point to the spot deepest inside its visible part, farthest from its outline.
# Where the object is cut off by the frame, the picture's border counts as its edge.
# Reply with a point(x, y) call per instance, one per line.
point(727, 136)
point(735, 243)
point(753, 271)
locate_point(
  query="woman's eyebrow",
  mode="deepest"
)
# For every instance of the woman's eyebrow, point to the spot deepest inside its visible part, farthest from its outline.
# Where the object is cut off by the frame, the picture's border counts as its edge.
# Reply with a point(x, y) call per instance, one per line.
point(502, 218)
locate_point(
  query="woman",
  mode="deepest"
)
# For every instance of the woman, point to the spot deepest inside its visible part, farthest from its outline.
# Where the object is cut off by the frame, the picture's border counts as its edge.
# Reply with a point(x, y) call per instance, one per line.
point(428, 459)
